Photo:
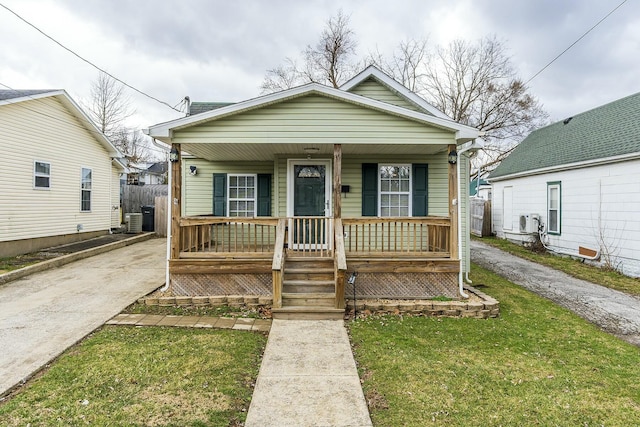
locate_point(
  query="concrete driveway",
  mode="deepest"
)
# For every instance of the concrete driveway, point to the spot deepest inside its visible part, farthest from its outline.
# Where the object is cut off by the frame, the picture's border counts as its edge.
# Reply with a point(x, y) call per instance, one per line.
point(43, 314)
point(613, 311)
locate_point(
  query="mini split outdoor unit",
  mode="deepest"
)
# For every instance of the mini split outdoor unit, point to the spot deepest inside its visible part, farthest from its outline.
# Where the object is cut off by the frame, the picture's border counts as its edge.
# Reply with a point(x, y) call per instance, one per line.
point(529, 223)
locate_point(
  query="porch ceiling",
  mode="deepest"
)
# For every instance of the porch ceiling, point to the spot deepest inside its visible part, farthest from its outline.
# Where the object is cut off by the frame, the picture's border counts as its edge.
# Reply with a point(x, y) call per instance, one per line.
point(268, 152)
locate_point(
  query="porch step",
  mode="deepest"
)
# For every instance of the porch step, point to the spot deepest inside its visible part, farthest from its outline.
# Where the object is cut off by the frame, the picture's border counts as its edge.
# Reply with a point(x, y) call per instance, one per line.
point(300, 299)
point(306, 286)
point(309, 273)
point(307, 313)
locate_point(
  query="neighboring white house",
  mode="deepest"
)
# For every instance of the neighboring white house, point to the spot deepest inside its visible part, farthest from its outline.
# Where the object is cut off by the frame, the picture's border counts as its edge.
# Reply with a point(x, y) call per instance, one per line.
point(581, 178)
point(59, 182)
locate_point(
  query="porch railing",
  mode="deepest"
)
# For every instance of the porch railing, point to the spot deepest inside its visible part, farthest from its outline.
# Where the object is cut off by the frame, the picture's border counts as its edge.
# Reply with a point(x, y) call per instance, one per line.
point(417, 236)
point(310, 236)
point(216, 235)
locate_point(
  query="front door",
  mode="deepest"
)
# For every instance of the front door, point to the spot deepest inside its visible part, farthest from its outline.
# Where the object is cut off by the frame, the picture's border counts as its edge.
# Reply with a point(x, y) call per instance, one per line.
point(310, 202)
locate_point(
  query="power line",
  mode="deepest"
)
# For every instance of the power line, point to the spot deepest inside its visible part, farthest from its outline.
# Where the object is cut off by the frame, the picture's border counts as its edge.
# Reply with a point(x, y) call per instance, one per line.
point(86, 60)
point(73, 120)
point(575, 42)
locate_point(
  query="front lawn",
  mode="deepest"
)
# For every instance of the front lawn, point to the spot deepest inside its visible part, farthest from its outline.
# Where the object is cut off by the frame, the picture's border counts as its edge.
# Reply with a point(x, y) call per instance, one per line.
point(148, 376)
point(537, 364)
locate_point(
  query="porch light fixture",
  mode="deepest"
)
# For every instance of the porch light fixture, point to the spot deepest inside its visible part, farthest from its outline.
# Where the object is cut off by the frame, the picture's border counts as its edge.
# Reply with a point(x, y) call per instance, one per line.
point(173, 155)
point(310, 151)
point(452, 157)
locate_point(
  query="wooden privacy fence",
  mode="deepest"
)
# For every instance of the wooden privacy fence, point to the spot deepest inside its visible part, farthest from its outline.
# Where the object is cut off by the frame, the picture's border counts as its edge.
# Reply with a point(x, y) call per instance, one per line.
point(135, 196)
point(414, 236)
point(161, 216)
point(480, 217)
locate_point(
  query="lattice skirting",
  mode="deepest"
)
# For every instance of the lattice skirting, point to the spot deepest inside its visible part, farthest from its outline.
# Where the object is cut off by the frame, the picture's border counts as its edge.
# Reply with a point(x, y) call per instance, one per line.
point(221, 284)
point(404, 285)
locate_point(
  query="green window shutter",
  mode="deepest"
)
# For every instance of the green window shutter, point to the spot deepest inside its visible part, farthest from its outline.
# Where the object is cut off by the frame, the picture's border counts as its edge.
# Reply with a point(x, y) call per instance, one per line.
point(264, 194)
point(220, 194)
point(420, 196)
point(369, 189)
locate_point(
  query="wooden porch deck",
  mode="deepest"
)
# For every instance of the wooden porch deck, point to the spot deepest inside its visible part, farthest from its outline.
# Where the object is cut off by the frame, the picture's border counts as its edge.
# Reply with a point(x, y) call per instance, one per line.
point(303, 262)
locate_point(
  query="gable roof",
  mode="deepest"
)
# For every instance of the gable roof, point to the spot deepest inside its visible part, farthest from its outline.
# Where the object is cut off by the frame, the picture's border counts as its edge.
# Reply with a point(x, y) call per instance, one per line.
point(372, 72)
point(18, 95)
point(607, 133)
point(162, 131)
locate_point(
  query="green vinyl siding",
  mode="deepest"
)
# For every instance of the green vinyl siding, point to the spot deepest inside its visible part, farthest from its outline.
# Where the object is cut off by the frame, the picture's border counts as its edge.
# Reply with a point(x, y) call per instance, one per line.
point(437, 180)
point(197, 190)
point(311, 119)
point(371, 88)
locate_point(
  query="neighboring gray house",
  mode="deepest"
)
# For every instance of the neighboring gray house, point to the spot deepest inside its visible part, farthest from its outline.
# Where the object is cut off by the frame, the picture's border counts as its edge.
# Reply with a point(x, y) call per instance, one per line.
point(580, 179)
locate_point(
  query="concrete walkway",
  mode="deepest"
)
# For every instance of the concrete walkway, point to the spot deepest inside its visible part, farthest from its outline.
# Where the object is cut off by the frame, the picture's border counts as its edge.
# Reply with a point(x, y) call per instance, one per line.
point(613, 311)
point(43, 314)
point(308, 377)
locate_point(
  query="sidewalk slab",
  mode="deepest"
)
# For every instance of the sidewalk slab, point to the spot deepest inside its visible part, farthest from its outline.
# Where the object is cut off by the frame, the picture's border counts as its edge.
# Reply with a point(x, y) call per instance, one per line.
point(308, 377)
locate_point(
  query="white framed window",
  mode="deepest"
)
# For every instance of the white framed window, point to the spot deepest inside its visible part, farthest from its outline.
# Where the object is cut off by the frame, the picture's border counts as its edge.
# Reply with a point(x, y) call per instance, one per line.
point(85, 190)
point(242, 195)
point(553, 207)
point(395, 190)
point(41, 175)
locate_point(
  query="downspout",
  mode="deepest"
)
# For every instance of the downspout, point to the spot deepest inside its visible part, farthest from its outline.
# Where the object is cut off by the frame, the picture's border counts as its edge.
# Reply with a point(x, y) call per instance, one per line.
point(475, 145)
point(169, 183)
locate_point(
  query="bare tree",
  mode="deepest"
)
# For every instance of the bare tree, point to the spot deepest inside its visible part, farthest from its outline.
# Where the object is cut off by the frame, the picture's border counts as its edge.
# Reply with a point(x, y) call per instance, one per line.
point(329, 62)
point(407, 63)
point(109, 108)
point(475, 84)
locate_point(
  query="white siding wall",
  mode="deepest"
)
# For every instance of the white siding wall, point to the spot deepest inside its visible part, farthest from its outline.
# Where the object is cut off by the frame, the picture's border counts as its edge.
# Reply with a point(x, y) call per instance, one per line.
point(597, 200)
point(44, 130)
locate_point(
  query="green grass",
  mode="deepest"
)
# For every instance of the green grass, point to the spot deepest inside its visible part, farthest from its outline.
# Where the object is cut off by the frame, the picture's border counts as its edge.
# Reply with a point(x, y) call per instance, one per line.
point(573, 267)
point(144, 376)
point(536, 365)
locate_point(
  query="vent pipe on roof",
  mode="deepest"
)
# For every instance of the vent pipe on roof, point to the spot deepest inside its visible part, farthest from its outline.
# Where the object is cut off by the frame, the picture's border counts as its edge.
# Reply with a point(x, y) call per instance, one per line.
point(187, 105)
point(567, 120)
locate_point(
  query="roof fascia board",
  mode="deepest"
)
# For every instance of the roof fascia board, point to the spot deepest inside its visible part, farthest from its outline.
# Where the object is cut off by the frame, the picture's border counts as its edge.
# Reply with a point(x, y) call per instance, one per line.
point(165, 129)
point(88, 123)
point(372, 71)
point(569, 166)
point(75, 109)
point(32, 97)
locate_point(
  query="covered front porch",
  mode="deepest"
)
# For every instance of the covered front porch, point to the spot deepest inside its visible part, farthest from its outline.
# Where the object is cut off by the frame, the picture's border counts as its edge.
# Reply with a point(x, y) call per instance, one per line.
point(310, 264)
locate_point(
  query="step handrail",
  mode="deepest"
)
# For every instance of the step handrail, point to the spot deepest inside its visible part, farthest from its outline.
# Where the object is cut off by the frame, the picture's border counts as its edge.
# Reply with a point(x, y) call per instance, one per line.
point(339, 262)
point(277, 266)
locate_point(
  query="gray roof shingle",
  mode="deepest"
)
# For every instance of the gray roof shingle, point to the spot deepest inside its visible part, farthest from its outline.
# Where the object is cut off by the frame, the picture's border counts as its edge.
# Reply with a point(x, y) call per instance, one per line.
point(609, 130)
point(201, 107)
point(20, 93)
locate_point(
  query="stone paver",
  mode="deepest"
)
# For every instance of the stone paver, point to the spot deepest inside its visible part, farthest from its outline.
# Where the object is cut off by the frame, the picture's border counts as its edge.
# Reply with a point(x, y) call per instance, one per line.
point(225, 323)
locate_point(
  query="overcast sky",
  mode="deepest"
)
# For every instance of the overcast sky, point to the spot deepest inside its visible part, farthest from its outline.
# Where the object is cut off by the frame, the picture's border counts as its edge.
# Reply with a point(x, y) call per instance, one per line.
point(219, 50)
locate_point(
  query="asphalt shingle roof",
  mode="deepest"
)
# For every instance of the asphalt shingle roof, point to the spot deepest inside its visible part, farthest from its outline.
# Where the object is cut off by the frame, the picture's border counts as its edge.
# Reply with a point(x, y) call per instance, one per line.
point(201, 107)
point(19, 93)
point(606, 131)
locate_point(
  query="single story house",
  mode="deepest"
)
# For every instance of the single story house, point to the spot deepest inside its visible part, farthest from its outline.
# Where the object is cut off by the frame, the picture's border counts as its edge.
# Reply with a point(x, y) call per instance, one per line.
point(578, 179)
point(314, 193)
point(60, 183)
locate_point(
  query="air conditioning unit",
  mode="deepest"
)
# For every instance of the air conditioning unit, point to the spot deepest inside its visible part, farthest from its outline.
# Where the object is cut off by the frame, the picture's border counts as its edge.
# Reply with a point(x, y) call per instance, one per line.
point(529, 223)
point(134, 224)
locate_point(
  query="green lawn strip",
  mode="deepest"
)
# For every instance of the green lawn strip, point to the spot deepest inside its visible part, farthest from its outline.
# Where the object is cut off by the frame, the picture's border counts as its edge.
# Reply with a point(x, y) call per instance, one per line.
point(537, 364)
point(573, 267)
point(148, 376)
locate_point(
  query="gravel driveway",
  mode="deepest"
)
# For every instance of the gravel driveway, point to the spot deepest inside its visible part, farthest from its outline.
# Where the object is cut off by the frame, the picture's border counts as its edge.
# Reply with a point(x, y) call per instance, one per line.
point(613, 311)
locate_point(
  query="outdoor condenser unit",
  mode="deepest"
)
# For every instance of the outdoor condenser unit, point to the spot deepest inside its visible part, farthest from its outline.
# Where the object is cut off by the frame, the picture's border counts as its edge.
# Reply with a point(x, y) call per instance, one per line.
point(529, 223)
